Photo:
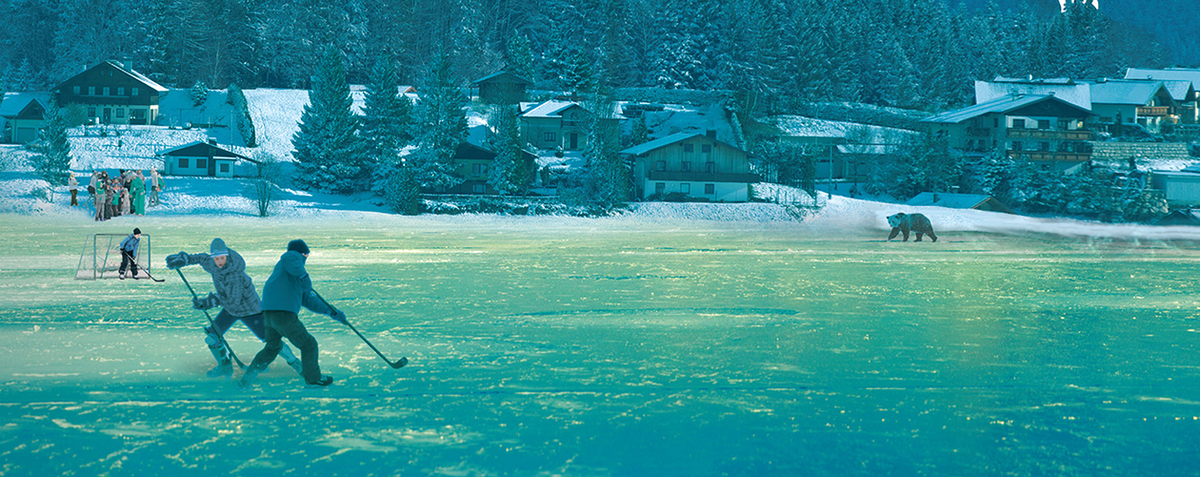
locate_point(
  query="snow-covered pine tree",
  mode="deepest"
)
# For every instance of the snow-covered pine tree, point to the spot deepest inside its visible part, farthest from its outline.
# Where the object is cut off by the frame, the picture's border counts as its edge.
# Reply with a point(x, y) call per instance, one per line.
point(241, 115)
point(328, 151)
point(386, 123)
point(608, 175)
point(519, 56)
point(53, 159)
point(198, 93)
point(508, 173)
point(997, 173)
point(442, 124)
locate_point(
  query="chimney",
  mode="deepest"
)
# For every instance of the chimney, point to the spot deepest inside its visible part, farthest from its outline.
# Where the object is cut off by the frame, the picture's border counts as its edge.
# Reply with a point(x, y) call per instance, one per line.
point(212, 141)
point(935, 197)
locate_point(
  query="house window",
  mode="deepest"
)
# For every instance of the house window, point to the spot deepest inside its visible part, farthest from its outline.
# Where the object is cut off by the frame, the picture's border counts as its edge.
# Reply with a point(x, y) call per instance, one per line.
point(1043, 124)
point(995, 122)
point(660, 166)
point(120, 112)
point(76, 90)
point(91, 90)
point(1018, 124)
point(201, 163)
point(685, 188)
point(224, 167)
point(686, 166)
point(183, 163)
point(1063, 124)
point(479, 169)
point(133, 91)
point(550, 137)
point(660, 187)
point(479, 188)
point(710, 189)
point(1018, 146)
point(1043, 146)
point(706, 149)
point(710, 167)
point(120, 91)
point(107, 91)
point(689, 147)
point(91, 111)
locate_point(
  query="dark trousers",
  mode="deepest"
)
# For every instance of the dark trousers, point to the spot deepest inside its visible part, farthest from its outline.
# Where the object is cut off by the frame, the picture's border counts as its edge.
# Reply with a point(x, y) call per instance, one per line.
point(74, 197)
point(256, 323)
point(285, 324)
point(127, 262)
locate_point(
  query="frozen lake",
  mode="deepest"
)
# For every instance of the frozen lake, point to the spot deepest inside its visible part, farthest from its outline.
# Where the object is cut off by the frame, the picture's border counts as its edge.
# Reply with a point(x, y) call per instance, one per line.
point(554, 346)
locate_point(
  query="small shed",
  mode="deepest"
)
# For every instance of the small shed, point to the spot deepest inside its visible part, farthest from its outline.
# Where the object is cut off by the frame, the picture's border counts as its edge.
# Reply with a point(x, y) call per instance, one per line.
point(502, 88)
point(1180, 217)
point(21, 116)
point(1182, 188)
point(982, 202)
point(200, 158)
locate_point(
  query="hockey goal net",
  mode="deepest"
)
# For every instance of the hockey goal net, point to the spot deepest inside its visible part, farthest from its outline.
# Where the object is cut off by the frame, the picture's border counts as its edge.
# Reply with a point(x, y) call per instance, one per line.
point(100, 257)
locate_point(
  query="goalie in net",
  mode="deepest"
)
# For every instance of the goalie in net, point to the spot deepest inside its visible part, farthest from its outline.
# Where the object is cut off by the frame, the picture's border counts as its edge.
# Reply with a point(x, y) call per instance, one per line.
point(101, 257)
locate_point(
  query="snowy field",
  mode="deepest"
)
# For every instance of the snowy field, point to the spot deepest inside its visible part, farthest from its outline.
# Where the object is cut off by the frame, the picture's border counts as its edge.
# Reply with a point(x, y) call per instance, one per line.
point(672, 340)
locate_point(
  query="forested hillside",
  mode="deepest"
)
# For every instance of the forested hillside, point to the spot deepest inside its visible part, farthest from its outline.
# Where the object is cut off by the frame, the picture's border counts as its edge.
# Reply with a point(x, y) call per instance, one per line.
point(777, 53)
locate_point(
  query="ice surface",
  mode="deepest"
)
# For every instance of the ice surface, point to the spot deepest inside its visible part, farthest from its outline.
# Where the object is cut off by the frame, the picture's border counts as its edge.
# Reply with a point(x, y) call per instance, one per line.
point(672, 340)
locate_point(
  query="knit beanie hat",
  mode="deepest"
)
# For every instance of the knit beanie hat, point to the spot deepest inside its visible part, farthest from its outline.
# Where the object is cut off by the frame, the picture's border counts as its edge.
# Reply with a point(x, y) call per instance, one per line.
point(137, 231)
point(298, 246)
point(217, 249)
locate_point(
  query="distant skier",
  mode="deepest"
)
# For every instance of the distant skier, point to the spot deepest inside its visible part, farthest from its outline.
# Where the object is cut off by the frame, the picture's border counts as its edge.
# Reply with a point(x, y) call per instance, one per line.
point(129, 248)
point(289, 288)
point(235, 295)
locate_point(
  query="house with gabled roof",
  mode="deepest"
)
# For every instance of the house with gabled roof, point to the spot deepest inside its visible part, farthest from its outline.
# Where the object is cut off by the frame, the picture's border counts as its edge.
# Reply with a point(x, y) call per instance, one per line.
point(558, 124)
point(502, 88)
point(112, 93)
point(22, 115)
point(691, 165)
point(200, 158)
point(1041, 128)
point(1188, 110)
point(1144, 102)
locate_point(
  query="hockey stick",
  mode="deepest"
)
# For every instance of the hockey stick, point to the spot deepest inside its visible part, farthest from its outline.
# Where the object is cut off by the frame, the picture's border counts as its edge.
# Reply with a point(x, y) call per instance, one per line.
point(394, 364)
point(147, 270)
point(220, 336)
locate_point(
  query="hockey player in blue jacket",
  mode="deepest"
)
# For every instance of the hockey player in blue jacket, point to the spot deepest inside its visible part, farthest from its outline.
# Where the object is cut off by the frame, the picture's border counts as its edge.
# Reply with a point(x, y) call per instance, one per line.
point(288, 289)
point(235, 295)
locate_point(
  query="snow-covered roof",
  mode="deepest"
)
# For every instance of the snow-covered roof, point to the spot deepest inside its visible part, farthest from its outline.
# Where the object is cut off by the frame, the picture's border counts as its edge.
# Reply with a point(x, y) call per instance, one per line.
point(999, 105)
point(669, 140)
point(1133, 92)
point(802, 126)
point(166, 152)
point(959, 201)
point(1185, 74)
point(138, 76)
point(13, 103)
point(500, 74)
point(547, 109)
point(1065, 89)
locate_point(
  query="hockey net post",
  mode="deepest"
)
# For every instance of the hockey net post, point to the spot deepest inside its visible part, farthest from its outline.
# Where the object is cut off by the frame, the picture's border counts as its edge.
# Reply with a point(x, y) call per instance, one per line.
point(100, 257)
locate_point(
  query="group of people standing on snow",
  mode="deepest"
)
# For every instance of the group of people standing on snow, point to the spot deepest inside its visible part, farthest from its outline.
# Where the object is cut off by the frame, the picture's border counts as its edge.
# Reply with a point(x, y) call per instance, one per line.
point(271, 318)
point(122, 194)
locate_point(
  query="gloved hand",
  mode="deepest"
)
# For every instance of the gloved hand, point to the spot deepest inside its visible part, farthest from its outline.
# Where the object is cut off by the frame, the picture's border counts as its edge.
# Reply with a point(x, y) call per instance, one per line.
point(207, 302)
point(178, 260)
point(338, 316)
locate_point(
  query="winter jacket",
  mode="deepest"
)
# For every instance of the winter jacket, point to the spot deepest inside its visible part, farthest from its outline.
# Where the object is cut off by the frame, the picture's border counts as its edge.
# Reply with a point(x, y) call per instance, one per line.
point(235, 289)
point(289, 287)
point(130, 244)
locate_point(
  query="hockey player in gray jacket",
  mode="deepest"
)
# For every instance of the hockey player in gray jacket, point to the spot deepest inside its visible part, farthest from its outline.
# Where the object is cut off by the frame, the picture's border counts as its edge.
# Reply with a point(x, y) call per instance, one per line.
point(236, 297)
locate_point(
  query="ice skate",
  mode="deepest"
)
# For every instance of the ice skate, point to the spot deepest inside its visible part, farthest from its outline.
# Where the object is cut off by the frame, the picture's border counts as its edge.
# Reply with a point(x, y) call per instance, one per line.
point(248, 379)
point(325, 380)
point(223, 369)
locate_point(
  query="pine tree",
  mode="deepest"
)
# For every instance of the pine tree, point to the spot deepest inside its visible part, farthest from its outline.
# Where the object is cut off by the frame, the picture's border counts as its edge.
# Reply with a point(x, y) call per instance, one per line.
point(53, 159)
point(520, 57)
point(387, 117)
point(241, 115)
point(198, 93)
point(508, 174)
point(328, 151)
point(442, 122)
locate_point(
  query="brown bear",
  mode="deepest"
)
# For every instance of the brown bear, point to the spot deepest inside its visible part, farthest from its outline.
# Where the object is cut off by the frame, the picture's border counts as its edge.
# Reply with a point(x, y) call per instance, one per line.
point(902, 223)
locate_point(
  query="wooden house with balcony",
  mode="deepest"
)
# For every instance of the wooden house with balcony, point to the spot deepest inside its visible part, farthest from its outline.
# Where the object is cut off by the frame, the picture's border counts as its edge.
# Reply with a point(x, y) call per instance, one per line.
point(1187, 98)
point(113, 93)
point(558, 124)
point(1040, 128)
point(693, 166)
point(1147, 103)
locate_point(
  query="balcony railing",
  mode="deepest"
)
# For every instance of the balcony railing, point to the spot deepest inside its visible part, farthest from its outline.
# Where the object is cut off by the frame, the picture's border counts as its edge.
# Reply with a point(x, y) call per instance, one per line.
point(1050, 156)
point(701, 176)
point(1147, 111)
point(1051, 134)
point(979, 132)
